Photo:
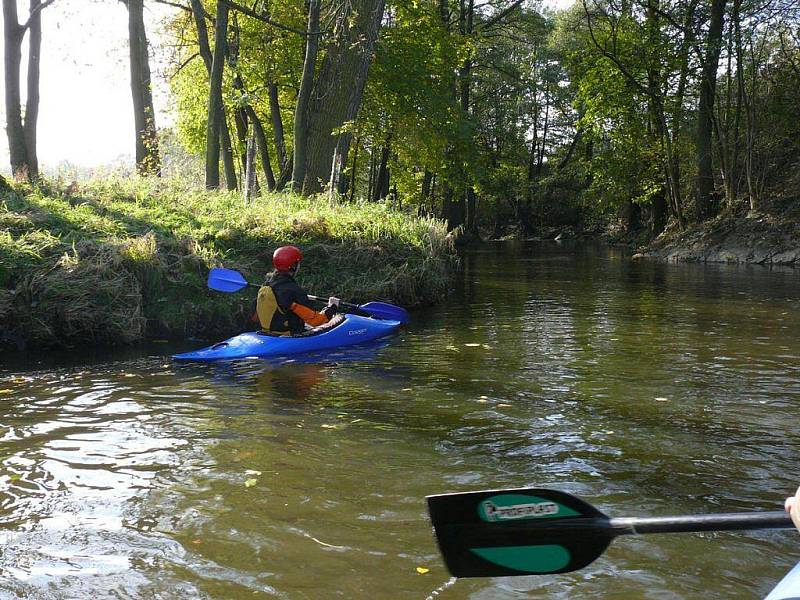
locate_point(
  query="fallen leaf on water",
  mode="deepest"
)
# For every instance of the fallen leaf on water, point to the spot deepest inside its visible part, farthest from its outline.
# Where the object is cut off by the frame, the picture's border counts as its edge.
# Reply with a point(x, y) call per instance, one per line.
point(422, 570)
point(195, 542)
point(250, 483)
point(244, 454)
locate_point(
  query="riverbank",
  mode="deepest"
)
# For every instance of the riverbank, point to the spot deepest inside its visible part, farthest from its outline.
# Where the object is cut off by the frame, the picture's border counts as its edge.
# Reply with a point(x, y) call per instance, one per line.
point(771, 237)
point(117, 261)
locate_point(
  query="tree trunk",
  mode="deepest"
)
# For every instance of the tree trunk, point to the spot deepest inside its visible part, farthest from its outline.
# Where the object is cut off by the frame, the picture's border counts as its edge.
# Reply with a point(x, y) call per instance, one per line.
point(427, 178)
point(545, 127)
point(205, 53)
point(277, 124)
point(705, 111)
point(12, 58)
point(353, 178)
point(147, 156)
point(216, 114)
point(472, 210)
point(460, 213)
point(338, 91)
point(241, 124)
point(382, 179)
point(198, 13)
point(301, 111)
point(285, 160)
point(677, 113)
point(371, 178)
point(261, 141)
point(249, 169)
point(32, 101)
point(231, 180)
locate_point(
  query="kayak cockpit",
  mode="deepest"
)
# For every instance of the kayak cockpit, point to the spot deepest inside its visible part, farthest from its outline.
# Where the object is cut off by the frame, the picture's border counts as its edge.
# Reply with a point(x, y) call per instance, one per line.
point(334, 322)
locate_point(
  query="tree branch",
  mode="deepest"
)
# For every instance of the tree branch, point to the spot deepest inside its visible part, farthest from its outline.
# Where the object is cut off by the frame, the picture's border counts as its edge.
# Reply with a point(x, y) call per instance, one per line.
point(186, 62)
point(265, 19)
point(501, 15)
point(34, 12)
point(173, 4)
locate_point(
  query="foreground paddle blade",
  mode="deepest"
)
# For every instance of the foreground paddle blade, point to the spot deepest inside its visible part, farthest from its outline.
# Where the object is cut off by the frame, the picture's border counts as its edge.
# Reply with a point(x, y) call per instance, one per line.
point(517, 532)
point(382, 310)
point(226, 280)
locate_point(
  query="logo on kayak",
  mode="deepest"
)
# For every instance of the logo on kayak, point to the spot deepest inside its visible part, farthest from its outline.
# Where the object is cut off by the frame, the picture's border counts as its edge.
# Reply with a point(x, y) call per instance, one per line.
point(510, 507)
point(358, 331)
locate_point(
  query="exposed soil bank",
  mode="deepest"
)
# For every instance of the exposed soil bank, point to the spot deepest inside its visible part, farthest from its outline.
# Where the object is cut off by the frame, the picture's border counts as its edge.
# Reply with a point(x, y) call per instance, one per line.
point(118, 261)
point(765, 238)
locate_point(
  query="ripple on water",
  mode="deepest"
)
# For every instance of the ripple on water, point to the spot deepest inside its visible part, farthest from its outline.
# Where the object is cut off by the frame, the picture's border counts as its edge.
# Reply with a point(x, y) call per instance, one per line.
point(645, 389)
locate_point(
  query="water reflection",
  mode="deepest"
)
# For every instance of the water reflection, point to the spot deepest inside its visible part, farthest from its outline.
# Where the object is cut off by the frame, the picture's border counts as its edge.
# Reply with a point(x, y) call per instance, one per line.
point(647, 388)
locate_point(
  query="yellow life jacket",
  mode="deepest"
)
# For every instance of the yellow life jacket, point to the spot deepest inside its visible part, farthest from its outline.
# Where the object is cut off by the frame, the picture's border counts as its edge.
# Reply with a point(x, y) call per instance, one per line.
point(266, 307)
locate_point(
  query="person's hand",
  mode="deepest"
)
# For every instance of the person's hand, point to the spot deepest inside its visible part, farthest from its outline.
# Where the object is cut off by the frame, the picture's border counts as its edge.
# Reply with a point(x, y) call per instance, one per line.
point(792, 506)
point(333, 301)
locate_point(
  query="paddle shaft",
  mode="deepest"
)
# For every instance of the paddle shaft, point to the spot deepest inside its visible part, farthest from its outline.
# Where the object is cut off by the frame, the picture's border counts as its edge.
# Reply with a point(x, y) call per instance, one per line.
point(689, 523)
point(228, 281)
point(342, 303)
point(519, 532)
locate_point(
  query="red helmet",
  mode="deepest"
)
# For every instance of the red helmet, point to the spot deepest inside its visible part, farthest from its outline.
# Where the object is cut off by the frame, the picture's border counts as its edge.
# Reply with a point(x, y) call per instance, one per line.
point(286, 257)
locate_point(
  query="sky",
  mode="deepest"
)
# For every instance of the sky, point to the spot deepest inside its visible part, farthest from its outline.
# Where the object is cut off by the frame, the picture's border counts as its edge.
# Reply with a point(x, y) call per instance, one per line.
point(86, 111)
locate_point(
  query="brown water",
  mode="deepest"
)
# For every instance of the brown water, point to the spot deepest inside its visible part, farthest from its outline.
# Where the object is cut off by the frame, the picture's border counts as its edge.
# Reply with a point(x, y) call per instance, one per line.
point(646, 389)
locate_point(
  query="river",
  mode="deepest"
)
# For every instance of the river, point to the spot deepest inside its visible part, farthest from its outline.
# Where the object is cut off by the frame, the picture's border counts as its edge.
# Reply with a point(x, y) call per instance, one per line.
point(644, 388)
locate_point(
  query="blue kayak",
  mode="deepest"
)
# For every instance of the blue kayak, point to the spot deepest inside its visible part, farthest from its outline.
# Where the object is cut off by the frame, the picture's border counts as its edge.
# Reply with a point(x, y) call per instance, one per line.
point(342, 330)
point(788, 588)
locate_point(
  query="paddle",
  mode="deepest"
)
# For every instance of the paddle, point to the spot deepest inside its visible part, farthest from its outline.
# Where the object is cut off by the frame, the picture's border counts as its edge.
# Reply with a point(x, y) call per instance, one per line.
point(228, 280)
point(532, 531)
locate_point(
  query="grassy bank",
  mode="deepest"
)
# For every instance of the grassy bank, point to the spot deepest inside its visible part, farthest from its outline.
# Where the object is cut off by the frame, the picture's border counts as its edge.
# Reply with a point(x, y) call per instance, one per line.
point(117, 261)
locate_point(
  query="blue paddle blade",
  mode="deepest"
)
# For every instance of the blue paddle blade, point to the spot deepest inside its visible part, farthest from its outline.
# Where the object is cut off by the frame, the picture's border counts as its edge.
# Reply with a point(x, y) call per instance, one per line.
point(226, 280)
point(382, 310)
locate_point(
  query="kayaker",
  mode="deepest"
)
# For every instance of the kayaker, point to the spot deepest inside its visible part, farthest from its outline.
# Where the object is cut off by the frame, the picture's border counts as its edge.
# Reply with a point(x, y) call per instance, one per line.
point(283, 306)
point(792, 506)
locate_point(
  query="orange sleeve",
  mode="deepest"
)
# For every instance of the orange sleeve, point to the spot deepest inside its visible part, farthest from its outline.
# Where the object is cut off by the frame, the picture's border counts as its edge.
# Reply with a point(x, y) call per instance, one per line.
point(309, 315)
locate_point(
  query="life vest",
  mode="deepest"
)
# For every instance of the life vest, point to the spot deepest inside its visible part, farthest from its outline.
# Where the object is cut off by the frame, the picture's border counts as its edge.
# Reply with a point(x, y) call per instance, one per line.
point(270, 315)
point(275, 319)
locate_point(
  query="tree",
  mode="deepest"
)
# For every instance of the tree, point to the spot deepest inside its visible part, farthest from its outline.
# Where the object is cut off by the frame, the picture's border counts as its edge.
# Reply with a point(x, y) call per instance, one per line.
point(148, 161)
point(301, 111)
point(216, 111)
point(22, 132)
point(337, 94)
point(705, 109)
